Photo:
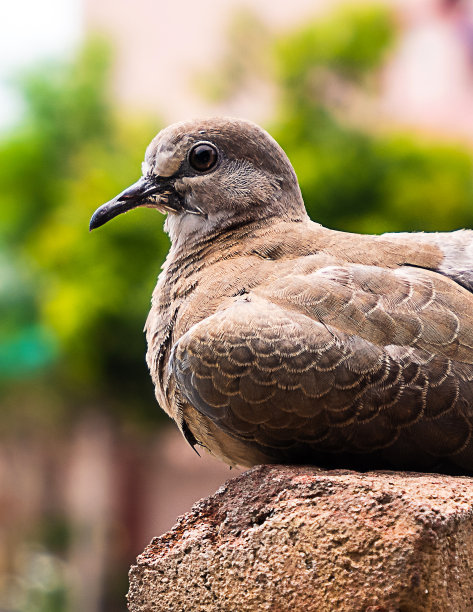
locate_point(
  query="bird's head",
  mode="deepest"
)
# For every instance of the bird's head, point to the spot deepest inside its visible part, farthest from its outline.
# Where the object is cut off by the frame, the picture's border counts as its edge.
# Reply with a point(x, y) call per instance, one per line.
point(210, 175)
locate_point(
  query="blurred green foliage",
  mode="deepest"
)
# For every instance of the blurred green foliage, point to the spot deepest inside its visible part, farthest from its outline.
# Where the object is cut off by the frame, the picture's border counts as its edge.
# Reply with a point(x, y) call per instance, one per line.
point(73, 304)
point(350, 41)
point(361, 178)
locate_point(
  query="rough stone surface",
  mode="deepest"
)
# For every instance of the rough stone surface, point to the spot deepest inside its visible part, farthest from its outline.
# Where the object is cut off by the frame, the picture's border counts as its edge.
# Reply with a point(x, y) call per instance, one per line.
point(296, 538)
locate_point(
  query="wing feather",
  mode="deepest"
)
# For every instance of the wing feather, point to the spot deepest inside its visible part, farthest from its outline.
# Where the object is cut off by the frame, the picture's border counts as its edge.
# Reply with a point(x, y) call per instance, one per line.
point(299, 388)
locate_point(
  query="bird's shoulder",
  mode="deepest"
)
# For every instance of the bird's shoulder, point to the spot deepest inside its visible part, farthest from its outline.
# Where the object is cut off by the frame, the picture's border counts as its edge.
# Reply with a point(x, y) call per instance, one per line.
point(285, 240)
point(386, 289)
point(299, 246)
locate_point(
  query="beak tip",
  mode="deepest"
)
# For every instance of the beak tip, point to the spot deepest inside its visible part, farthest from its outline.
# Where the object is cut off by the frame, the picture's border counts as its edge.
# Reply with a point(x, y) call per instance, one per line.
point(94, 223)
point(102, 215)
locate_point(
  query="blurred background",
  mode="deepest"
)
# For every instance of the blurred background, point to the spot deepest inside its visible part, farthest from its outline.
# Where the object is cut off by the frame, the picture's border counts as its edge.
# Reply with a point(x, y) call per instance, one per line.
point(373, 104)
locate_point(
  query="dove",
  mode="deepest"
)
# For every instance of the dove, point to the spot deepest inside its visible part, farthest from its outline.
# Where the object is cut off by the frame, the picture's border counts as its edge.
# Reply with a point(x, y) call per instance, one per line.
point(272, 339)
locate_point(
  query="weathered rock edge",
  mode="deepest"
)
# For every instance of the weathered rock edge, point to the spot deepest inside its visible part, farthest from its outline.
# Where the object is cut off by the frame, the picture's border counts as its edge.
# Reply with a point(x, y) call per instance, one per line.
point(297, 538)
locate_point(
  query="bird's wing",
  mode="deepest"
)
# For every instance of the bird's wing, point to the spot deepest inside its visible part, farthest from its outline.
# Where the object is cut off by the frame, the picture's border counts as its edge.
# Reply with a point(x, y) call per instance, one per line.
point(456, 248)
point(347, 359)
point(405, 306)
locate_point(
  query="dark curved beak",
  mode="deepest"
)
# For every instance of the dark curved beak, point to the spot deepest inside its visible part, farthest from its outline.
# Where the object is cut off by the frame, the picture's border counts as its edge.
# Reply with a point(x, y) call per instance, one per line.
point(141, 193)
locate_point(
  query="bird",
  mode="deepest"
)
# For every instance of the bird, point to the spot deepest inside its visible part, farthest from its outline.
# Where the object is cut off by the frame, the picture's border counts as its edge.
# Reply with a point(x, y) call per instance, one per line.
point(273, 339)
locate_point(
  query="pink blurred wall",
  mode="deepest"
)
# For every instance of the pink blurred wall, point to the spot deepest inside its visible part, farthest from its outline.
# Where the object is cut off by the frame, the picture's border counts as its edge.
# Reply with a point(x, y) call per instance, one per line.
point(160, 46)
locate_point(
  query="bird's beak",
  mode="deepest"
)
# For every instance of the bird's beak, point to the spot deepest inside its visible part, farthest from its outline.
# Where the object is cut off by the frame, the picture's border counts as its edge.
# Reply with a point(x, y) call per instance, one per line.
point(145, 192)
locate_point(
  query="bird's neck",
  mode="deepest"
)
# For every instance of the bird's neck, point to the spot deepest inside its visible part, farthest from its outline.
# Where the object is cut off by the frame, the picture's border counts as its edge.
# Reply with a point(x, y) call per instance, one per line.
point(195, 238)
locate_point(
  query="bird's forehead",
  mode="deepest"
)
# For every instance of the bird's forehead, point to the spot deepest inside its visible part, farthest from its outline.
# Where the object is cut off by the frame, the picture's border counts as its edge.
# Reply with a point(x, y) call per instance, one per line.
point(167, 150)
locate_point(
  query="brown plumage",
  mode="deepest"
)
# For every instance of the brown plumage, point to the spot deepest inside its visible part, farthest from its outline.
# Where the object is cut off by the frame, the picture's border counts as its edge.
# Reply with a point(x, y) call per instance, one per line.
point(274, 339)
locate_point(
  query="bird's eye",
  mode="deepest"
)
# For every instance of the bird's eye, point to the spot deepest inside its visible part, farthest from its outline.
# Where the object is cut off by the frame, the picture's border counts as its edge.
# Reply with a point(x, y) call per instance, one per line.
point(203, 157)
